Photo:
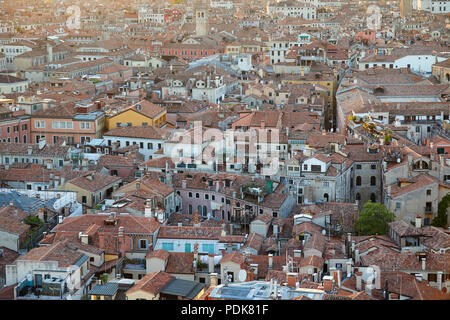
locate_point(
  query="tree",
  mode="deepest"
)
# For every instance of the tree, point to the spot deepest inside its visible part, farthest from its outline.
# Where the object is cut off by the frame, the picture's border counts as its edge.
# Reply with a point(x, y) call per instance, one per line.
point(441, 218)
point(373, 218)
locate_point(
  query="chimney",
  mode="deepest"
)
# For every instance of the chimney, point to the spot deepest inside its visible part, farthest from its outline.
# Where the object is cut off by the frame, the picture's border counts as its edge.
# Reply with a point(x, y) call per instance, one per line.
point(315, 277)
point(211, 262)
point(291, 279)
point(270, 261)
point(213, 279)
point(358, 280)
point(263, 124)
point(84, 238)
point(393, 296)
point(49, 164)
point(389, 190)
point(297, 253)
point(148, 209)
point(349, 269)
point(327, 283)
point(439, 280)
point(418, 222)
point(353, 246)
point(357, 256)
point(349, 237)
point(183, 184)
point(338, 277)
point(424, 263)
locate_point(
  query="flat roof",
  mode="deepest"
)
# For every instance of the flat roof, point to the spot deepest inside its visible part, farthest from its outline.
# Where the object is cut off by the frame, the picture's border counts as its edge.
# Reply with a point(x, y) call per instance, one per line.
point(185, 288)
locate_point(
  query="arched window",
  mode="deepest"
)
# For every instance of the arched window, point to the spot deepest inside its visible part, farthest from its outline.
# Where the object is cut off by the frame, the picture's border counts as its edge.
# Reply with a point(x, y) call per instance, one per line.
point(373, 197)
point(326, 196)
point(358, 180)
point(373, 181)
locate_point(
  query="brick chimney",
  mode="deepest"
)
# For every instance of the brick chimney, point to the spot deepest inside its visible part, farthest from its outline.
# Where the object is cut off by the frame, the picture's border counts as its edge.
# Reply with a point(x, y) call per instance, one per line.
point(213, 279)
point(327, 283)
point(291, 279)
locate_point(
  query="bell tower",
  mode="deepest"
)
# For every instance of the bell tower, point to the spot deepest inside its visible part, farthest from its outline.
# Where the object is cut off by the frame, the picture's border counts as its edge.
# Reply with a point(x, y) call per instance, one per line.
point(201, 19)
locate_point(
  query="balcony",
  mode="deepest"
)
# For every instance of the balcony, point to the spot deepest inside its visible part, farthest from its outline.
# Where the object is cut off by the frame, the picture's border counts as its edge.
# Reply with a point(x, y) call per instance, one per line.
point(428, 210)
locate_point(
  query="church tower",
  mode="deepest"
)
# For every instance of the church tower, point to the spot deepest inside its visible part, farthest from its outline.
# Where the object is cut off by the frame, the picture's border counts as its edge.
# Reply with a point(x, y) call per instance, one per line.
point(201, 19)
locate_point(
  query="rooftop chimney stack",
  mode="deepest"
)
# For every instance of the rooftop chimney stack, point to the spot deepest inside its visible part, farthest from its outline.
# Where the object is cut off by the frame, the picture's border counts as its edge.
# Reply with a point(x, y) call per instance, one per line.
point(418, 222)
point(349, 269)
point(439, 280)
point(327, 283)
point(291, 279)
point(358, 280)
point(211, 263)
point(85, 239)
point(357, 256)
point(213, 279)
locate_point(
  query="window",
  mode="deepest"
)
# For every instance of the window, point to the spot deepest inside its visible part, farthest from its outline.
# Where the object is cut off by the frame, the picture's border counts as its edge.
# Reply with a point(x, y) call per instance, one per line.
point(62, 125)
point(358, 166)
point(398, 205)
point(168, 246)
point(209, 248)
point(428, 192)
point(206, 196)
point(358, 196)
point(39, 124)
point(373, 166)
point(143, 244)
point(373, 181)
point(85, 125)
point(190, 194)
point(358, 180)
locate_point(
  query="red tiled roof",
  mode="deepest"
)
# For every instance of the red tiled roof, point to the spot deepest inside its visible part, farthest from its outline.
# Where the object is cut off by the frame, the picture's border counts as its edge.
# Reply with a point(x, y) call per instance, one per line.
point(152, 283)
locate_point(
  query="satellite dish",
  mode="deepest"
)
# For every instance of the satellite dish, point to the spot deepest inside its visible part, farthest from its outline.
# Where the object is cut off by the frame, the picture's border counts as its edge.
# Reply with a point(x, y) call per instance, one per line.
point(242, 276)
point(310, 271)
